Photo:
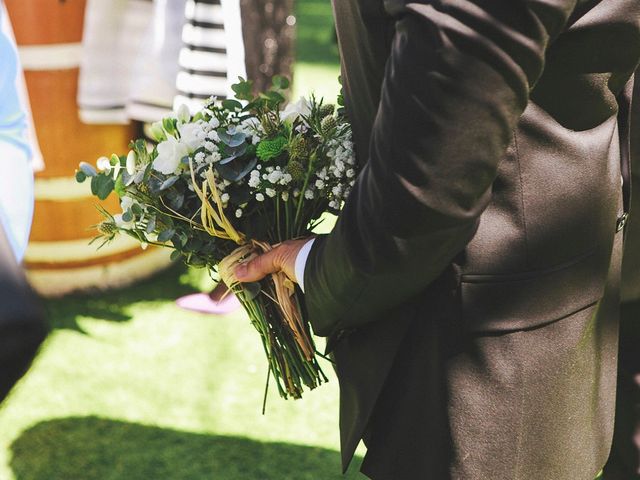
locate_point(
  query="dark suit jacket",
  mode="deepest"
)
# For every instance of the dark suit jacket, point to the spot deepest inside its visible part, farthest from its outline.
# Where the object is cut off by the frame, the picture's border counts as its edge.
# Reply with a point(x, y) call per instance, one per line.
point(22, 324)
point(470, 287)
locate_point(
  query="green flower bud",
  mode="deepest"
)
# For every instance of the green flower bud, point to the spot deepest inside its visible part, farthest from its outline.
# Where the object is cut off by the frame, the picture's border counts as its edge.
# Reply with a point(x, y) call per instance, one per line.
point(299, 147)
point(326, 110)
point(296, 170)
point(328, 125)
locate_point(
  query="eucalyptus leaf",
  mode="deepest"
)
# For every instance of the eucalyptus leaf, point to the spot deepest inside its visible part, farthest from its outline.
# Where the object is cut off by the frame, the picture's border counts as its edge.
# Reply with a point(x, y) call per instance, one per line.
point(166, 235)
point(88, 169)
point(102, 186)
point(234, 139)
point(127, 216)
point(128, 179)
point(169, 182)
point(151, 225)
point(176, 201)
point(234, 171)
point(136, 209)
point(175, 255)
point(80, 176)
point(231, 104)
point(234, 152)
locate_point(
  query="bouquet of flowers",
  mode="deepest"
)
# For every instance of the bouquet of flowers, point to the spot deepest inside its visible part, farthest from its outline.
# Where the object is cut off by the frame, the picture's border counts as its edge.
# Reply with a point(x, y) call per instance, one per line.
point(223, 186)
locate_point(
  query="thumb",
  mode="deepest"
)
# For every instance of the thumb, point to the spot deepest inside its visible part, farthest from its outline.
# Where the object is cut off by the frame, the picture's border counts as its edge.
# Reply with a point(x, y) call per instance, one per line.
point(258, 268)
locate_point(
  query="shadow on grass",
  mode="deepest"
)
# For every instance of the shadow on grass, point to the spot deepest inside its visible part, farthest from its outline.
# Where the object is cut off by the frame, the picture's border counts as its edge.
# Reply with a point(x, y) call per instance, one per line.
point(91, 448)
point(112, 305)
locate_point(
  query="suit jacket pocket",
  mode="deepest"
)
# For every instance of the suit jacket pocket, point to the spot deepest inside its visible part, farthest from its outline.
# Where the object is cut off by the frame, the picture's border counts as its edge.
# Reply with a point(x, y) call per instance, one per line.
point(502, 303)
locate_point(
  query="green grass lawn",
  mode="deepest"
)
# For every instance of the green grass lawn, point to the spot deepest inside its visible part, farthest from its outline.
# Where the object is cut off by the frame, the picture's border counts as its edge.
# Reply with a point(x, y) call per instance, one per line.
point(130, 387)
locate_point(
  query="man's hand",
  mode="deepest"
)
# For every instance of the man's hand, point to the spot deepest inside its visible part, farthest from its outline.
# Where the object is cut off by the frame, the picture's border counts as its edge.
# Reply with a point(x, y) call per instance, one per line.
point(281, 259)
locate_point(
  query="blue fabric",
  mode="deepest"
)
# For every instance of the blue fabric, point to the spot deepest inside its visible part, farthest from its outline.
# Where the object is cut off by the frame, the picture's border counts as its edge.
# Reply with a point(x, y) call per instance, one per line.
point(16, 174)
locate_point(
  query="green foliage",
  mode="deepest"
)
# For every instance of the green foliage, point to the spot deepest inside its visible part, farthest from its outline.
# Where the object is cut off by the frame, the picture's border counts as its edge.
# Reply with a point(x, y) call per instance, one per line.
point(102, 185)
point(269, 149)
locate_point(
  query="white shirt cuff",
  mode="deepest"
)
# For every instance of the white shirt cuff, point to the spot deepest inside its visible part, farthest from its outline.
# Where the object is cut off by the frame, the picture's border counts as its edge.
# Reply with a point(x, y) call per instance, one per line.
point(301, 262)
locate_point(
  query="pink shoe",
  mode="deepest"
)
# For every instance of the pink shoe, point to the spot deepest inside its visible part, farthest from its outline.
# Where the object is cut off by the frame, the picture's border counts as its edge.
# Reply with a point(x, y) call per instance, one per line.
point(202, 303)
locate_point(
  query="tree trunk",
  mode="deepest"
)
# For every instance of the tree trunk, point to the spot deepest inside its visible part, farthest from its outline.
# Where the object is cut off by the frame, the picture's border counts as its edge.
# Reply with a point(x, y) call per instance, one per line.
point(268, 31)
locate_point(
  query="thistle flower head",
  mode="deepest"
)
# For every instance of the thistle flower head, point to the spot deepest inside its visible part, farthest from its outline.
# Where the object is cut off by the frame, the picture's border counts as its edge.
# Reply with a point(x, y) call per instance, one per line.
point(296, 170)
point(107, 228)
point(328, 125)
point(327, 110)
point(299, 147)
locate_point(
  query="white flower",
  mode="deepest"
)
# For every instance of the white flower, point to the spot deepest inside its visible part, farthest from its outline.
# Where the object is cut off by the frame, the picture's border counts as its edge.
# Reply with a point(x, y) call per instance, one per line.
point(214, 157)
point(213, 136)
point(294, 110)
point(183, 115)
point(254, 181)
point(214, 122)
point(319, 184)
point(239, 213)
point(275, 176)
point(209, 145)
point(199, 157)
point(170, 153)
point(308, 194)
point(351, 173)
point(131, 162)
point(104, 164)
point(191, 135)
point(285, 196)
point(259, 197)
point(337, 190)
point(270, 192)
point(157, 132)
point(224, 197)
point(296, 193)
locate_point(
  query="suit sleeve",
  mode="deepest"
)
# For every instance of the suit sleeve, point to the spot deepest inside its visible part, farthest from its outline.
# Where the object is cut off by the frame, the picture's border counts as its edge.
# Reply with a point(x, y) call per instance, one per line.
point(456, 82)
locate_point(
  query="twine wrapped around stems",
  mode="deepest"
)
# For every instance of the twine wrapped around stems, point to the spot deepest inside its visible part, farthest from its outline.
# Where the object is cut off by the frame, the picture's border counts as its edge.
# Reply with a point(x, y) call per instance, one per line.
point(218, 225)
point(284, 290)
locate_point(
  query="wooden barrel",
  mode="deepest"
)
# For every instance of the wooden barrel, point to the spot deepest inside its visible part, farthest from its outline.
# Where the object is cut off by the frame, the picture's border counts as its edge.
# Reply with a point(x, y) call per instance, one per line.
point(59, 259)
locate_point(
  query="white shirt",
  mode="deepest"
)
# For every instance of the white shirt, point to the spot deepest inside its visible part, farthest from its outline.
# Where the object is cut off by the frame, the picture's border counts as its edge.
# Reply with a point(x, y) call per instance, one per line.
point(16, 172)
point(301, 262)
